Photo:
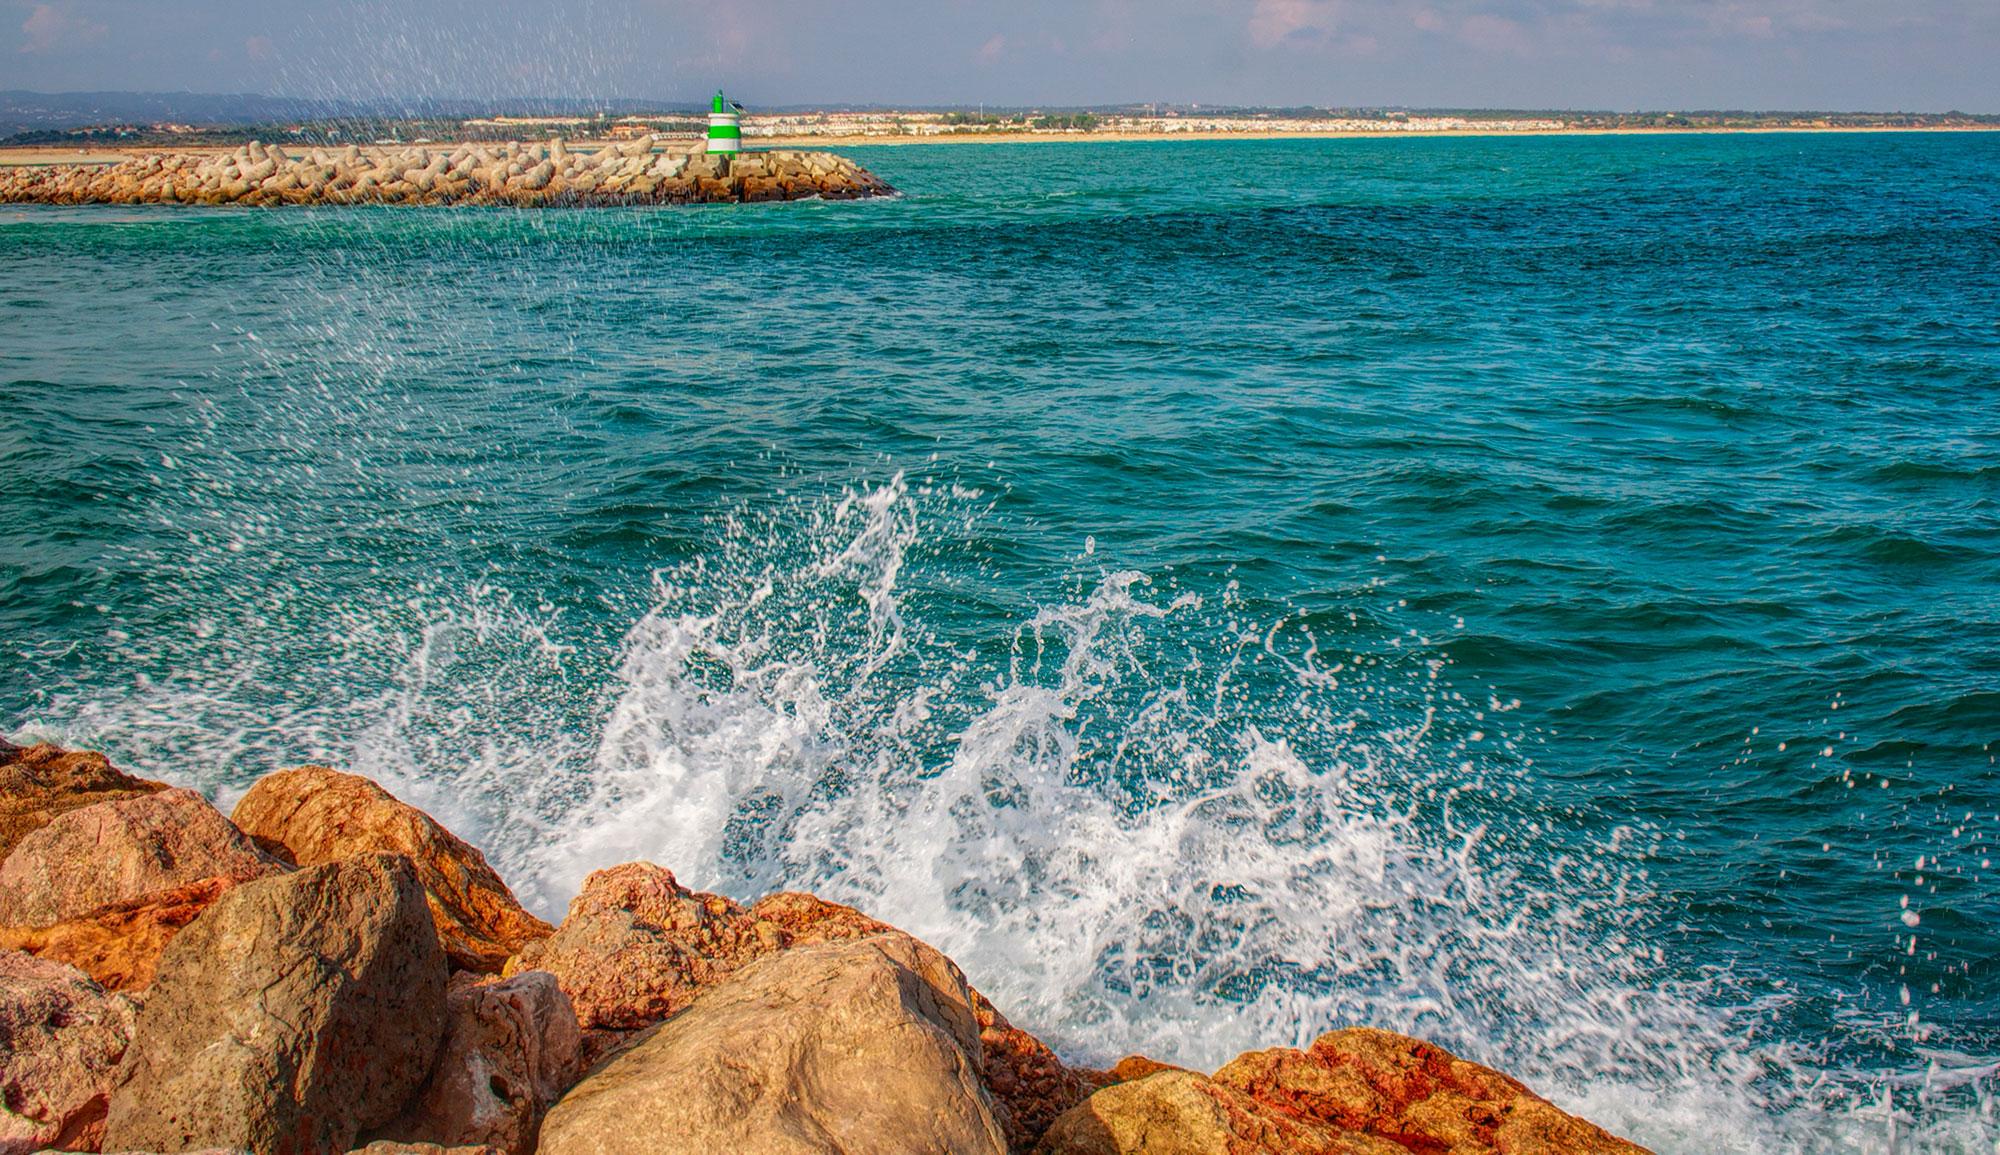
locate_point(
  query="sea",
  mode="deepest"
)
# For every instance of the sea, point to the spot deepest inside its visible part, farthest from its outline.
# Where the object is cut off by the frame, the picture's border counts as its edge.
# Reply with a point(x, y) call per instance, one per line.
point(1537, 594)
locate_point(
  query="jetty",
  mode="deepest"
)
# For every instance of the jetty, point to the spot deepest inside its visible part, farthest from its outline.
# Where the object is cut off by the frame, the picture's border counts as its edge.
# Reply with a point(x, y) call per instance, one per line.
point(646, 171)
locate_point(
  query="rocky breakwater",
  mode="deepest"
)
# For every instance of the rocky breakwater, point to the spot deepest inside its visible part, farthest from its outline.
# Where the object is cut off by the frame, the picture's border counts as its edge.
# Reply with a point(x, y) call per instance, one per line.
point(330, 970)
point(521, 174)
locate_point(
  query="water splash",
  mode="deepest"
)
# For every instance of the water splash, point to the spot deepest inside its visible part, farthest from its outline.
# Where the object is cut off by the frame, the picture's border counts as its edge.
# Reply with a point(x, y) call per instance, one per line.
point(1158, 815)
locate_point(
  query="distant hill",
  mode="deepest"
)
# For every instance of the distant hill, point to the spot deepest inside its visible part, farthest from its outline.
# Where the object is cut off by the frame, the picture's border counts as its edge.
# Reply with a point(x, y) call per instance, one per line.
point(22, 111)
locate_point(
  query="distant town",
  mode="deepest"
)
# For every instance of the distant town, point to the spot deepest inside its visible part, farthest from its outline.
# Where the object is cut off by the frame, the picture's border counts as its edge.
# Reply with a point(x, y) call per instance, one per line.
point(87, 120)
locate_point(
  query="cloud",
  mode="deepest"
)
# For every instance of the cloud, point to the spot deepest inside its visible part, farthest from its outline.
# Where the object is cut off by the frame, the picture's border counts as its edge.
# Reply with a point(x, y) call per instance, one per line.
point(49, 28)
point(991, 50)
point(1275, 22)
point(257, 48)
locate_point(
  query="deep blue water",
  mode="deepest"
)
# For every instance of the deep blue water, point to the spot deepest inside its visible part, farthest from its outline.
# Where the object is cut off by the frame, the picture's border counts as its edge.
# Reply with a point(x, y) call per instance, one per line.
point(1541, 594)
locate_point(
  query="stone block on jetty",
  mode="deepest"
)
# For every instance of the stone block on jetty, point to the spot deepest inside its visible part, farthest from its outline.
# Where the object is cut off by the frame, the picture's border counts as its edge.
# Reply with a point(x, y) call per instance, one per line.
point(863, 1047)
point(313, 815)
point(61, 1040)
point(39, 782)
point(295, 1013)
point(515, 173)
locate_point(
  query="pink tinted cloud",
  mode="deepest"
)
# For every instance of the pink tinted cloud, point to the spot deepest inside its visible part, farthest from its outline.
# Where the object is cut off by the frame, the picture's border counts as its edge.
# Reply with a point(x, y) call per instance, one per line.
point(50, 27)
point(992, 49)
point(1273, 22)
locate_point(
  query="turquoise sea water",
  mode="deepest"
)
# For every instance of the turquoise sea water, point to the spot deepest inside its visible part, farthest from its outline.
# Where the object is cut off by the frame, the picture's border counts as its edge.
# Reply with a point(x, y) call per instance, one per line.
point(1539, 594)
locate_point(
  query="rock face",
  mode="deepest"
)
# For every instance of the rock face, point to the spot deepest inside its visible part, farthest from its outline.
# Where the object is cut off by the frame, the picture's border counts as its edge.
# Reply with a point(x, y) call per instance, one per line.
point(313, 816)
point(61, 1039)
point(119, 945)
point(297, 1011)
point(1030, 1086)
point(636, 946)
point(510, 1048)
point(1354, 1092)
point(118, 851)
point(513, 173)
point(863, 1047)
point(39, 782)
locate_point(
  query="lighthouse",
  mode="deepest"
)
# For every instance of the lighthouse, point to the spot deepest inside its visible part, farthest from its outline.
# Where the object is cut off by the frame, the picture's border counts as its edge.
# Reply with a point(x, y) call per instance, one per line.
point(725, 135)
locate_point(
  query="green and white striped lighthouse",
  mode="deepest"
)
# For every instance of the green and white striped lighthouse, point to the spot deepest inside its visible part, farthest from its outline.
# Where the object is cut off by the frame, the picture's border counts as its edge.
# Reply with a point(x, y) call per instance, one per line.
point(725, 135)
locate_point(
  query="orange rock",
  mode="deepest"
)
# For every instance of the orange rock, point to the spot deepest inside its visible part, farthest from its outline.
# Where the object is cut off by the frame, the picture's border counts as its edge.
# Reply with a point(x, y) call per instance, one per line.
point(313, 815)
point(119, 945)
point(120, 851)
point(1416, 1094)
point(1354, 1092)
point(39, 782)
point(636, 946)
point(1175, 1112)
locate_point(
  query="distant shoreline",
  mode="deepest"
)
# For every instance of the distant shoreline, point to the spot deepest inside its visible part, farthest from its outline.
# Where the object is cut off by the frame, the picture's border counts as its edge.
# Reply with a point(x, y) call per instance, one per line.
point(20, 156)
point(1328, 134)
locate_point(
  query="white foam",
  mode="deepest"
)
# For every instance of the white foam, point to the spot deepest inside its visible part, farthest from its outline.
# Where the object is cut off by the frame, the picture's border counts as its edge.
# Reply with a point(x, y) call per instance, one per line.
point(1156, 818)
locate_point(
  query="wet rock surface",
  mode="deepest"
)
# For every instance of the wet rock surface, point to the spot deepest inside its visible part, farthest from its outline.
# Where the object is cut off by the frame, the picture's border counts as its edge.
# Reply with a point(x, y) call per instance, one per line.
point(313, 815)
point(514, 173)
point(863, 1047)
point(296, 1012)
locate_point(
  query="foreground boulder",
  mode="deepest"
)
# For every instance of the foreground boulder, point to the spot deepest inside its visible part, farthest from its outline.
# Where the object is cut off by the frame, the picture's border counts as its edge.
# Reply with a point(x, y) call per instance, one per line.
point(121, 850)
point(297, 1011)
point(1354, 1092)
point(119, 945)
point(61, 1039)
point(509, 1050)
point(39, 782)
point(862, 1047)
point(314, 815)
point(637, 947)
point(1030, 1086)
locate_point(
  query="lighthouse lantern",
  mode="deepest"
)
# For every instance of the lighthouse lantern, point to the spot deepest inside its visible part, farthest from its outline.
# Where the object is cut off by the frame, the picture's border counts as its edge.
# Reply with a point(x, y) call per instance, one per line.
point(725, 134)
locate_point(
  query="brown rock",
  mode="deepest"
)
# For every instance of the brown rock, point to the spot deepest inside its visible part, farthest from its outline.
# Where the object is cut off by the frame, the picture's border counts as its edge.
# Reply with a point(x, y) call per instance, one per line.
point(509, 1050)
point(39, 782)
point(1029, 1084)
point(313, 815)
point(858, 1048)
point(636, 946)
point(1358, 1091)
point(119, 851)
point(297, 1011)
point(1177, 1112)
point(61, 1039)
point(391, 1147)
point(119, 945)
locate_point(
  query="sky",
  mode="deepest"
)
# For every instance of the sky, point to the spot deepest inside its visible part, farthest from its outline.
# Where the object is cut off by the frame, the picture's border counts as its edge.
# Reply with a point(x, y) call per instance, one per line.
point(1914, 55)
